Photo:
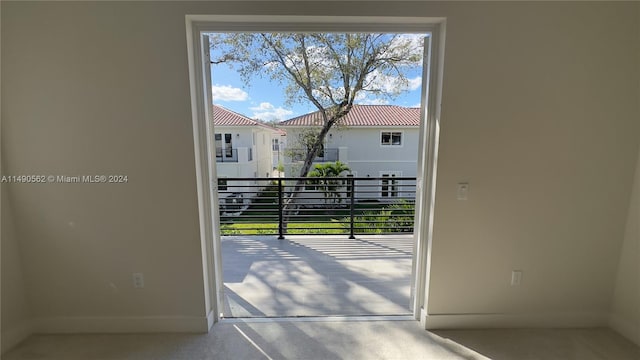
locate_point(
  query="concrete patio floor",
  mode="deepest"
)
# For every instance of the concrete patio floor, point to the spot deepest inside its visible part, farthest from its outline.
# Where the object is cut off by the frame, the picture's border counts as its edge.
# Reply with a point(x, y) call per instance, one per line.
point(316, 275)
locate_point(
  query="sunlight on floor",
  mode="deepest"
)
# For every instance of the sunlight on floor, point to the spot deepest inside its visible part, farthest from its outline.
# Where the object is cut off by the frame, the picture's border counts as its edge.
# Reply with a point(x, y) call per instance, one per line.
point(316, 276)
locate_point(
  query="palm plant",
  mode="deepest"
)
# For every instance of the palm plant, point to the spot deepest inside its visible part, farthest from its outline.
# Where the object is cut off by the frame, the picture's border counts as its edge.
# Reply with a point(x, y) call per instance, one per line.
point(327, 175)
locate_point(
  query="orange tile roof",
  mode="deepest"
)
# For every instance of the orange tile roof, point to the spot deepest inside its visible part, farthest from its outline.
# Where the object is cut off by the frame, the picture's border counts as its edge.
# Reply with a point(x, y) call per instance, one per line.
point(226, 117)
point(365, 115)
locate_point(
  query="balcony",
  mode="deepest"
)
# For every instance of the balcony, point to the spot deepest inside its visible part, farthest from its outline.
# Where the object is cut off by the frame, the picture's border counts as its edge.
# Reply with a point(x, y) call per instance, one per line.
point(338, 246)
point(310, 275)
point(335, 205)
point(227, 155)
point(235, 155)
point(326, 155)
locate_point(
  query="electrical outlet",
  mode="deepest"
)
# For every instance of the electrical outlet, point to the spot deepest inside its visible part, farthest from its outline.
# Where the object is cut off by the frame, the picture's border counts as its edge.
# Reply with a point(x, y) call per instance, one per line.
point(516, 277)
point(138, 280)
point(463, 191)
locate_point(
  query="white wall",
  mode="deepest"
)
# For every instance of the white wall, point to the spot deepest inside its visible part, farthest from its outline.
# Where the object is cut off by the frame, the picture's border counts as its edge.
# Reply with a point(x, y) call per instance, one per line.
point(539, 116)
point(241, 142)
point(625, 315)
point(626, 302)
point(364, 143)
point(365, 154)
point(263, 153)
point(15, 310)
point(278, 156)
point(367, 157)
point(260, 165)
point(245, 138)
point(112, 97)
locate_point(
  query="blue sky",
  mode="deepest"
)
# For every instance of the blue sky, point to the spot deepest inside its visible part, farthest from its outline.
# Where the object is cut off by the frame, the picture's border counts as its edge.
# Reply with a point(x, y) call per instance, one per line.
point(265, 99)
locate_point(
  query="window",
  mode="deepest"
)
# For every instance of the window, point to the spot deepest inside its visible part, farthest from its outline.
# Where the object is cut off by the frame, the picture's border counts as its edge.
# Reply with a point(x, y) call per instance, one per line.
point(228, 145)
point(222, 185)
point(250, 155)
point(391, 138)
point(218, 142)
point(388, 185)
point(275, 145)
point(225, 149)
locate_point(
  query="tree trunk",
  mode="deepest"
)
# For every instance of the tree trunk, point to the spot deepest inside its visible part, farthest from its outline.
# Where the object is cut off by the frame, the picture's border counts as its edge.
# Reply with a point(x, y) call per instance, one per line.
point(337, 113)
point(289, 204)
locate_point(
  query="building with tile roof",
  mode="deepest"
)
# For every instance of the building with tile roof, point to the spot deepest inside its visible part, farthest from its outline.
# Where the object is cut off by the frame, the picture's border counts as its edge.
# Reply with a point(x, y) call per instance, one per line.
point(365, 116)
point(373, 140)
point(243, 148)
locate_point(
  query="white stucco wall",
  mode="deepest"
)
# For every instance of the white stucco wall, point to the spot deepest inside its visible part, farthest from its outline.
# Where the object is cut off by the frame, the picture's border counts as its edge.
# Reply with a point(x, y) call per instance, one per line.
point(367, 156)
point(15, 324)
point(549, 168)
point(243, 138)
point(625, 317)
point(364, 153)
point(626, 300)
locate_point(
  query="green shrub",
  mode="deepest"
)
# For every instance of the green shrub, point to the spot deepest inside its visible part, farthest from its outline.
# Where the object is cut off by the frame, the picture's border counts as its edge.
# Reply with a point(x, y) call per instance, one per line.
point(395, 218)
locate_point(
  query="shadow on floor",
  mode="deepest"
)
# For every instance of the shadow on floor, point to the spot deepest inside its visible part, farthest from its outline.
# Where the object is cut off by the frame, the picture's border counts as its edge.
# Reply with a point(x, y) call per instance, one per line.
point(316, 275)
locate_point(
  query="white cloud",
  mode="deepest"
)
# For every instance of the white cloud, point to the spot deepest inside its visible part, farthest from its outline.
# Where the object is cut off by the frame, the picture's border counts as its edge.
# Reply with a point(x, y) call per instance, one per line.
point(267, 112)
point(408, 46)
point(390, 84)
point(373, 101)
point(414, 83)
point(228, 93)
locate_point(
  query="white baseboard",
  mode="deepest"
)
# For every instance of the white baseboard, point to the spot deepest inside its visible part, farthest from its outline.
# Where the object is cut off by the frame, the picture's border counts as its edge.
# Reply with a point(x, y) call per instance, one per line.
point(145, 324)
point(12, 337)
point(626, 327)
point(547, 320)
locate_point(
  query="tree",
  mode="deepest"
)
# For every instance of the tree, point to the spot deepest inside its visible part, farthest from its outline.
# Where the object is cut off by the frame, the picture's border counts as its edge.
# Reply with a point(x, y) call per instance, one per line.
point(330, 70)
point(327, 178)
point(302, 144)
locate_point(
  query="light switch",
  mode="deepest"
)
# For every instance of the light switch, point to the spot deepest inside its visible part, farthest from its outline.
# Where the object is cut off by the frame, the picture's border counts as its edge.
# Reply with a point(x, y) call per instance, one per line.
point(463, 191)
point(516, 277)
point(138, 280)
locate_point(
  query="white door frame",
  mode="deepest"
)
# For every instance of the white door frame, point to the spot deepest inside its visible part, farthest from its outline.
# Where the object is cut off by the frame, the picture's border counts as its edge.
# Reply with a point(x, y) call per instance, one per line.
point(199, 77)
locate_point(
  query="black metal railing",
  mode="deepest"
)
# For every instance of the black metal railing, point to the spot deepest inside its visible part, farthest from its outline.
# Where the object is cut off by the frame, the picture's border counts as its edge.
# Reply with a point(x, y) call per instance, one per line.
point(324, 155)
point(343, 205)
point(226, 155)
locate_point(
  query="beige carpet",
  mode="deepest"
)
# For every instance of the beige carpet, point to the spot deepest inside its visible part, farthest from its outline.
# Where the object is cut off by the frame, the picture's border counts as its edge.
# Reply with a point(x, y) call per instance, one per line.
point(333, 340)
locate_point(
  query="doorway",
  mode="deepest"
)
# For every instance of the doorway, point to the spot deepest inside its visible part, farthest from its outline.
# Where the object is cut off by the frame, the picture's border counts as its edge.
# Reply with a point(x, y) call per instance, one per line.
point(202, 116)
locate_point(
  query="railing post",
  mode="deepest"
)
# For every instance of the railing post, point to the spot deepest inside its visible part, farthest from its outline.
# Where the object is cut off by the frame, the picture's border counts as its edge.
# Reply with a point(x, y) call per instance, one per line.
point(280, 208)
point(352, 195)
